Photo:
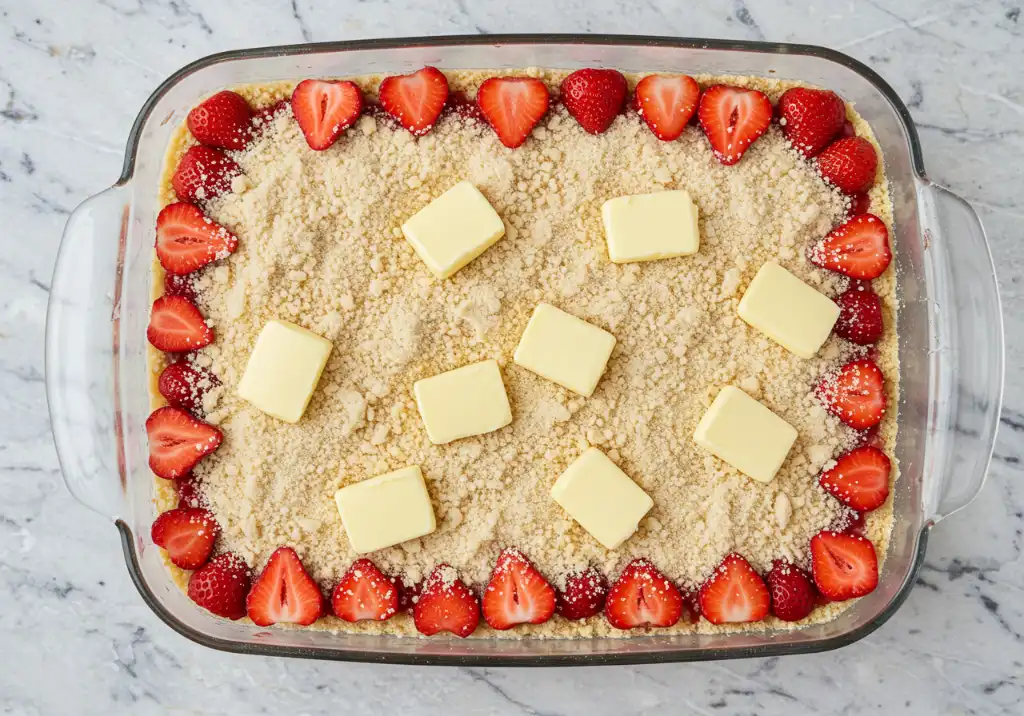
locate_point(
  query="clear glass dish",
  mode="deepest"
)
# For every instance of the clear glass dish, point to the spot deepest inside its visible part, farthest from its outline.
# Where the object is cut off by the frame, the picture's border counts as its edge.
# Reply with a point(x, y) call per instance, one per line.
point(951, 338)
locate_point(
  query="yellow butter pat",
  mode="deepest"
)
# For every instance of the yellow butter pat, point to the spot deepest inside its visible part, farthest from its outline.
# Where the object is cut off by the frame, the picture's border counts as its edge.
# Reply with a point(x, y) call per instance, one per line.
point(386, 510)
point(467, 401)
point(283, 370)
point(564, 349)
point(788, 311)
point(647, 227)
point(453, 229)
point(744, 433)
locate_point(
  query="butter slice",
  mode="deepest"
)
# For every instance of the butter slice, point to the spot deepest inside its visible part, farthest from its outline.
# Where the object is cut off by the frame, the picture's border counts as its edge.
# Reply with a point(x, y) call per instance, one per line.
point(467, 401)
point(647, 227)
point(283, 370)
point(564, 349)
point(602, 498)
point(453, 229)
point(744, 433)
point(788, 311)
point(386, 510)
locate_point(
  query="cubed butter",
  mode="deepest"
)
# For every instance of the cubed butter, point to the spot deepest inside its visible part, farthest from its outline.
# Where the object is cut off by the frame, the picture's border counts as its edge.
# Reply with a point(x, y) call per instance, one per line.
point(467, 401)
point(564, 349)
point(646, 227)
point(788, 311)
point(453, 229)
point(602, 498)
point(744, 433)
point(283, 370)
point(386, 510)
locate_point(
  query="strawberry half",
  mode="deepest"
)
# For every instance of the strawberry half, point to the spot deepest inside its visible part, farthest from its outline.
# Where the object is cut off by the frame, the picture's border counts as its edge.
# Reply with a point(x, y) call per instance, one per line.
point(446, 604)
point(643, 596)
point(844, 565)
point(516, 594)
point(850, 163)
point(667, 103)
point(458, 103)
point(733, 118)
point(859, 204)
point(187, 240)
point(177, 441)
point(849, 521)
point(858, 249)
point(594, 97)
point(187, 534)
point(265, 115)
point(415, 100)
point(855, 394)
point(221, 121)
point(513, 106)
point(220, 586)
point(325, 109)
point(364, 592)
point(203, 173)
point(184, 286)
point(734, 593)
point(188, 491)
point(793, 594)
point(184, 385)
point(176, 325)
point(583, 596)
point(284, 592)
point(860, 315)
point(859, 479)
point(811, 118)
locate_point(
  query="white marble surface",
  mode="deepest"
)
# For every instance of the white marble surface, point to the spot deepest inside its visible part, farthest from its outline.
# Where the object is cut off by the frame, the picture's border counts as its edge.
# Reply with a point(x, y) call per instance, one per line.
point(75, 637)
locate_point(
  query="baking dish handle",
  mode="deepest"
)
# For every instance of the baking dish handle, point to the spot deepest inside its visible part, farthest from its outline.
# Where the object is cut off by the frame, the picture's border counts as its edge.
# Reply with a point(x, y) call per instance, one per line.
point(81, 351)
point(966, 351)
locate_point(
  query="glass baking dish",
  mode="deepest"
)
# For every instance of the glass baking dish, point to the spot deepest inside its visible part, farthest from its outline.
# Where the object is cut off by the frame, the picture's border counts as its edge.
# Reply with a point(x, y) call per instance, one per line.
point(951, 338)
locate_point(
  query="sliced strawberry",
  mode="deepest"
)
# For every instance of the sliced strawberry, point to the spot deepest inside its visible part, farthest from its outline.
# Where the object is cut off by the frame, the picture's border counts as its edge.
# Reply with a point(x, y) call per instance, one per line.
point(849, 163)
point(855, 394)
point(407, 595)
point(415, 100)
point(691, 605)
point(184, 286)
point(594, 97)
point(643, 596)
point(177, 441)
point(858, 249)
point(187, 534)
point(847, 130)
point(325, 109)
point(583, 596)
point(265, 116)
point(811, 118)
point(859, 204)
point(513, 106)
point(221, 121)
point(516, 594)
point(203, 173)
point(792, 593)
point(733, 118)
point(446, 604)
point(220, 586)
point(859, 479)
point(844, 566)
point(849, 521)
point(458, 103)
point(667, 103)
point(364, 592)
point(284, 592)
point(187, 240)
point(176, 325)
point(188, 491)
point(734, 593)
point(860, 315)
point(183, 385)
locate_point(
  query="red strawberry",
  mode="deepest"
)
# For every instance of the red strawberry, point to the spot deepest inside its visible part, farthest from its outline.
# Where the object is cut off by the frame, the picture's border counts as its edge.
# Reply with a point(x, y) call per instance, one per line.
point(188, 534)
point(691, 605)
point(180, 285)
point(859, 204)
point(583, 596)
point(733, 118)
point(859, 479)
point(284, 592)
point(221, 121)
point(187, 240)
point(847, 130)
point(203, 173)
point(792, 593)
point(183, 385)
point(188, 491)
point(594, 97)
point(855, 394)
point(811, 118)
point(516, 594)
point(415, 100)
point(844, 566)
point(734, 593)
point(364, 592)
point(325, 109)
point(220, 586)
point(176, 325)
point(667, 103)
point(463, 106)
point(177, 441)
point(850, 164)
point(407, 595)
point(643, 596)
point(264, 116)
point(446, 604)
point(859, 248)
point(513, 106)
point(860, 315)
point(849, 521)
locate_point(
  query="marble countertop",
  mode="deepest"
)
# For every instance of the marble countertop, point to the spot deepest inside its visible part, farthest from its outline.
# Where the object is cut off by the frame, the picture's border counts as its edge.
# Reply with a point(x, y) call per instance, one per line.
point(77, 639)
